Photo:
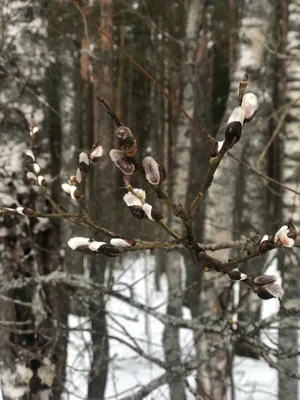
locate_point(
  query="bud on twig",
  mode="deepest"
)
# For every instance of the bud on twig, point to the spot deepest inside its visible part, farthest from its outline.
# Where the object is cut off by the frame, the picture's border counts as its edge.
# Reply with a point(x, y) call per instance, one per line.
point(25, 211)
point(80, 244)
point(122, 242)
point(109, 250)
point(84, 162)
point(36, 168)
point(263, 293)
point(96, 154)
point(94, 245)
point(71, 191)
point(154, 172)
point(236, 275)
point(269, 291)
point(137, 211)
point(132, 200)
point(264, 279)
point(122, 161)
point(30, 155)
point(153, 213)
point(41, 181)
point(90, 246)
point(266, 288)
point(33, 130)
point(286, 235)
point(31, 177)
point(128, 144)
point(264, 244)
point(233, 130)
point(250, 106)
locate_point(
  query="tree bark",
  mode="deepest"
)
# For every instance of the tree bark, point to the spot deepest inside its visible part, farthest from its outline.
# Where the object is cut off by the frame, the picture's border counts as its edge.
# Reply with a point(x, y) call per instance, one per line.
point(101, 192)
point(37, 314)
point(289, 261)
point(244, 195)
point(180, 180)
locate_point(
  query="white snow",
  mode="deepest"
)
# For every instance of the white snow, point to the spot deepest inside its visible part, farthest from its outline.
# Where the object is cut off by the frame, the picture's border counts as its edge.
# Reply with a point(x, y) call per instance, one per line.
point(253, 379)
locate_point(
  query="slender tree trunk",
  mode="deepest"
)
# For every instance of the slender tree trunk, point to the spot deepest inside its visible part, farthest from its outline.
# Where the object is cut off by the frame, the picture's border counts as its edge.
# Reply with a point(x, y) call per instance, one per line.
point(182, 156)
point(101, 193)
point(289, 262)
point(242, 210)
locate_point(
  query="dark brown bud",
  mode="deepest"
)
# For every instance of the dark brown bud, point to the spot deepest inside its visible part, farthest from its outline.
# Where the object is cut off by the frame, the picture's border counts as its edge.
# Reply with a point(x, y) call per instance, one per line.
point(236, 275)
point(128, 141)
point(122, 161)
point(264, 279)
point(77, 194)
point(137, 211)
point(29, 165)
point(156, 213)
point(233, 132)
point(84, 249)
point(264, 245)
point(263, 294)
point(28, 211)
point(109, 250)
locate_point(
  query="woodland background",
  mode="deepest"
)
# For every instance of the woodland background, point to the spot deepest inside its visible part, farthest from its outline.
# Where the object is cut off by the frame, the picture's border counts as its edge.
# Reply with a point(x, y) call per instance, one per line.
point(54, 63)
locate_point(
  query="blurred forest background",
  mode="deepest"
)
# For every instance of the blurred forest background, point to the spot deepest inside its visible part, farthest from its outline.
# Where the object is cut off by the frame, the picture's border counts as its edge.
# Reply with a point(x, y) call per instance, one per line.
point(54, 63)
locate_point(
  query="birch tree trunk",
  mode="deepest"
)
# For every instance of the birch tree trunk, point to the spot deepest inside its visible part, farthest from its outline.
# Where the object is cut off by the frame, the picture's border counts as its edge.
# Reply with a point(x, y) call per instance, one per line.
point(29, 248)
point(182, 156)
point(289, 262)
point(237, 200)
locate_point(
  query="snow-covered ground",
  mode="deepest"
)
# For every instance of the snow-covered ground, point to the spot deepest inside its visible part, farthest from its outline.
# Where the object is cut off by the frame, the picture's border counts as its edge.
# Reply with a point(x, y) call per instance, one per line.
point(253, 379)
